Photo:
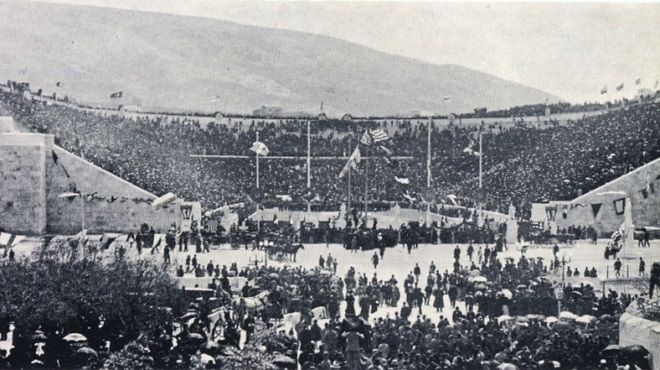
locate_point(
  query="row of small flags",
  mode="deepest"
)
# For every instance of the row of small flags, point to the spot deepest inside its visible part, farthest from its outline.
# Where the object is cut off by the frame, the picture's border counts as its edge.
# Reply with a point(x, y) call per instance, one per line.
point(638, 81)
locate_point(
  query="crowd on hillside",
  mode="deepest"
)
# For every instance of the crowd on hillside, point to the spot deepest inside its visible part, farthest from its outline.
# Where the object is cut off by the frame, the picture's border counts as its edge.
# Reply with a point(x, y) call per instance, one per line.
point(522, 163)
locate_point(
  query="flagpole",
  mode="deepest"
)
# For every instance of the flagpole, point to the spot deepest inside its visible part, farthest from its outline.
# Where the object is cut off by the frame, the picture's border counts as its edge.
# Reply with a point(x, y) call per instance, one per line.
point(366, 186)
point(481, 155)
point(309, 158)
point(428, 154)
point(348, 205)
point(257, 161)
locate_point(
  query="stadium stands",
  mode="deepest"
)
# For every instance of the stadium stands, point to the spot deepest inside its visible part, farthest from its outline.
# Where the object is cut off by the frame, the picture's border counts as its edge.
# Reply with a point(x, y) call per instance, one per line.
point(522, 164)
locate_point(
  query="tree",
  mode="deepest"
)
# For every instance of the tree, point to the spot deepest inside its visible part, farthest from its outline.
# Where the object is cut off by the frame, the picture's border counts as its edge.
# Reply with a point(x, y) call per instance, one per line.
point(58, 292)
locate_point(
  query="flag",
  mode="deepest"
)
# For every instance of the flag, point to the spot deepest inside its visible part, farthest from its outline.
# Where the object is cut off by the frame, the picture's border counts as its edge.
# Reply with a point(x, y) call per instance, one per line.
point(402, 180)
point(619, 88)
point(638, 81)
point(446, 99)
point(603, 90)
point(352, 163)
point(259, 148)
point(117, 95)
point(374, 136)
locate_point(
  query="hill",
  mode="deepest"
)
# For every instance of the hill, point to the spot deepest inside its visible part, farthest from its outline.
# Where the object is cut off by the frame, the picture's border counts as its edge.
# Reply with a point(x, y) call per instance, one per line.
point(170, 61)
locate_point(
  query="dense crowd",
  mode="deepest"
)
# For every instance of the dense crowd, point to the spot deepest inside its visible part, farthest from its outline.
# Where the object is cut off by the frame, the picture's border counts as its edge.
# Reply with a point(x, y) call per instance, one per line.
point(522, 163)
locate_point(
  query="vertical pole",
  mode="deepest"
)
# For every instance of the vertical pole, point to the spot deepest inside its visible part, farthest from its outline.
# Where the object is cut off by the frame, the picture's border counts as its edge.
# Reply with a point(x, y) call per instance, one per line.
point(257, 163)
point(348, 202)
point(428, 155)
point(481, 155)
point(82, 210)
point(309, 156)
point(366, 185)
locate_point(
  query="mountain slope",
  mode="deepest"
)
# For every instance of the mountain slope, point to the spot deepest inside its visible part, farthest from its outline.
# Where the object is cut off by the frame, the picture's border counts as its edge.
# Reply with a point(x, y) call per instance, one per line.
point(161, 60)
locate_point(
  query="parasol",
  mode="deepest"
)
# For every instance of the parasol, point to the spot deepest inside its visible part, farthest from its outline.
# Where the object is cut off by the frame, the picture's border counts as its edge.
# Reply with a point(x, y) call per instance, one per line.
point(507, 293)
point(87, 352)
point(586, 319)
point(567, 315)
point(75, 337)
point(504, 318)
point(612, 348)
point(478, 279)
point(285, 362)
point(635, 350)
point(507, 366)
point(206, 359)
point(551, 319)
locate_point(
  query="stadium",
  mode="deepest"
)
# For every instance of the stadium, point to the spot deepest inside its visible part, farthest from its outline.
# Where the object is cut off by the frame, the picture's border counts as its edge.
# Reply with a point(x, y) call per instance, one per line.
point(515, 237)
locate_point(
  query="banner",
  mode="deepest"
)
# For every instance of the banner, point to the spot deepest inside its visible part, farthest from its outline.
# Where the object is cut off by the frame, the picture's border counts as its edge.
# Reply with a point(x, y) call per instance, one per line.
point(551, 212)
point(188, 212)
point(619, 206)
point(595, 207)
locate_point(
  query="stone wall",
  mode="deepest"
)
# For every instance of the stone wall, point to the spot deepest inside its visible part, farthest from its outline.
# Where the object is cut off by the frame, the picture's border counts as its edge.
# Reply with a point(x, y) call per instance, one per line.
point(35, 173)
point(23, 183)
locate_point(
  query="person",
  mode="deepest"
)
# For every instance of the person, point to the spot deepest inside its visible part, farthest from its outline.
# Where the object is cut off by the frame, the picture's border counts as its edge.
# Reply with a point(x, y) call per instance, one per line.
point(166, 255)
point(374, 260)
point(432, 268)
point(321, 261)
point(438, 299)
point(381, 245)
point(470, 251)
point(405, 311)
point(352, 354)
point(329, 262)
point(12, 255)
point(555, 249)
point(417, 271)
point(617, 267)
point(642, 267)
point(480, 255)
point(486, 254)
point(248, 326)
point(179, 271)
point(457, 253)
point(194, 261)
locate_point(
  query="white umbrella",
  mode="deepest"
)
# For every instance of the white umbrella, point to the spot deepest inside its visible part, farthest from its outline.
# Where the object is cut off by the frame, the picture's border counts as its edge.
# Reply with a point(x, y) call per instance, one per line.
point(478, 279)
point(507, 293)
point(75, 337)
point(206, 359)
point(567, 315)
point(586, 319)
point(551, 319)
point(504, 318)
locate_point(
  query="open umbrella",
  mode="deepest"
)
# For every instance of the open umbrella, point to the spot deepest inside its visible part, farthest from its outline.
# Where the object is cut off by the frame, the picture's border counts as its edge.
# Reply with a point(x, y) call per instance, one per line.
point(480, 286)
point(605, 318)
point(612, 348)
point(636, 350)
point(86, 351)
point(39, 336)
point(521, 286)
point(285, 362)
point(273, 275)
point(551, 319)
point(507, 293)
point(196, 337)
point(586, 319)
point(206, 359)
point(479, 279)
point(567, 315)
point(503, 318)
point(75, 337)
point(522, 319)
point(507, 366)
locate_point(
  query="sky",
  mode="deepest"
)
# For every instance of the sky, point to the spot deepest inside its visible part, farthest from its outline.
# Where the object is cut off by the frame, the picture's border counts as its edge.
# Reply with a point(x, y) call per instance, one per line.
point(570, 50)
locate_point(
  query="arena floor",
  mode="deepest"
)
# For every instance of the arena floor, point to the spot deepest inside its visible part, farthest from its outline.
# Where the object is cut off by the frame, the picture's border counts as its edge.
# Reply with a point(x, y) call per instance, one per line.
point(398, 262)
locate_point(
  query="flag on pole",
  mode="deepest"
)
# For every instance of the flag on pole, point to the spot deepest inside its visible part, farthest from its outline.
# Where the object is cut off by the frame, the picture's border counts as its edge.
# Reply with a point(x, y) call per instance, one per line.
point(117, 95)
point(619, 88)
point(259, 148)
point(603, 90)
point(638, 81)
point(352, 163)
point(371, 137)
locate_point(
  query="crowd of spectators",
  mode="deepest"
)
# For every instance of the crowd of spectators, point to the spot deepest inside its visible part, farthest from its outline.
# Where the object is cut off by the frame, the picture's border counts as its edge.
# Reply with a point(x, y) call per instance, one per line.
point(522, 163)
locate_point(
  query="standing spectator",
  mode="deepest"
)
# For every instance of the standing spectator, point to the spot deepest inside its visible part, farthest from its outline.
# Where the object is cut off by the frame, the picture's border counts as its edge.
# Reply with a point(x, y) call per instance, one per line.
point(374, 260)
point(642, 267)
point(617, 267)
